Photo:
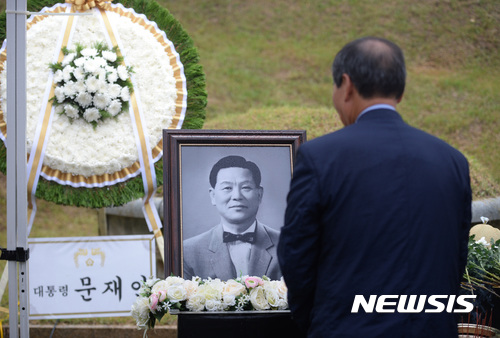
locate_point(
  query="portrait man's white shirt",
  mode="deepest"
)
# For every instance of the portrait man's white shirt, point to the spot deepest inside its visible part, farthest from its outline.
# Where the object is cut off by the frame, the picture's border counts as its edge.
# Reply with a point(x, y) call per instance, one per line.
point(240, 251)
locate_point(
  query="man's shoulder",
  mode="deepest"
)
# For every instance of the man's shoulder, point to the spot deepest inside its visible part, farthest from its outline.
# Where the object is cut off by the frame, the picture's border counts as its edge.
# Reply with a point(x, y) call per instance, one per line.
point(197, 240)
point(427, 140)
point(327, 139)
point(273, 233)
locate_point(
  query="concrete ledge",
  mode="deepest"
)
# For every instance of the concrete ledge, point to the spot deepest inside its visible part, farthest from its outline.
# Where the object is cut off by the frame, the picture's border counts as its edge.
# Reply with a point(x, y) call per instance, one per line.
point(97, 331)
point(488, 208)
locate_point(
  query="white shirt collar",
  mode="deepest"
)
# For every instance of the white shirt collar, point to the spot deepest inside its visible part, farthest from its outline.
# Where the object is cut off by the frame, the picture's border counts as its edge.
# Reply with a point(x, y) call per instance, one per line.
point(375, 106)
point(251, 228)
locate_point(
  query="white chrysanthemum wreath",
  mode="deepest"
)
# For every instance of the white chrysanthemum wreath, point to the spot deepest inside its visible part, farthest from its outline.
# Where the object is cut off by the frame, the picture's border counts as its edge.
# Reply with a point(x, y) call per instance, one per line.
point(105, 159)
point(91, 83)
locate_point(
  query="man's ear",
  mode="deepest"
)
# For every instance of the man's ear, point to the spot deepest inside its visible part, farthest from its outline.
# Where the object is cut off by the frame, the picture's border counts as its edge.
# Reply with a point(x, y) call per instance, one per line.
point(211, 192)
point(349, 87)
point(261, 193)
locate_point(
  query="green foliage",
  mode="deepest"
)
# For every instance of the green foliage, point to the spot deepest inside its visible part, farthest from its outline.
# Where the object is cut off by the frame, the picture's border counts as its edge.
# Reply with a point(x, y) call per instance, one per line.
point(482, 272)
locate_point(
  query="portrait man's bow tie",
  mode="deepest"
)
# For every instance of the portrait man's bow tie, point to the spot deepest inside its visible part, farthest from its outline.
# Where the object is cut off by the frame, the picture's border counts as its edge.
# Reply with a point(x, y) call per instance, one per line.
point(248, 237)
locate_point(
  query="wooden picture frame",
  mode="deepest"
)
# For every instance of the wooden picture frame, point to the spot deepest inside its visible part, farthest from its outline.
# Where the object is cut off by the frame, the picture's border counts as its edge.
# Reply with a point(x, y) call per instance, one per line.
point(189, 156)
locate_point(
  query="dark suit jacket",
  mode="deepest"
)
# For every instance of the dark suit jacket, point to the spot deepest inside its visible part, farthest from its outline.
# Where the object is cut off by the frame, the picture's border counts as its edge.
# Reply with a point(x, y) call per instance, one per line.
point(376, 208)
point(205, 255)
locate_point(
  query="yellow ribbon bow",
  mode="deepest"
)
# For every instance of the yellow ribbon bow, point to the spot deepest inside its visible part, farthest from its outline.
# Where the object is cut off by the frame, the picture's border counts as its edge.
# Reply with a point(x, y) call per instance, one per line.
point(85, 5)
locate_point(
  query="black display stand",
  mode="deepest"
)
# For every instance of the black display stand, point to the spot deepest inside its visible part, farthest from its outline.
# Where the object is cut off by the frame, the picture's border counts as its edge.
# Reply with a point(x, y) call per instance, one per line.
point(241, 324)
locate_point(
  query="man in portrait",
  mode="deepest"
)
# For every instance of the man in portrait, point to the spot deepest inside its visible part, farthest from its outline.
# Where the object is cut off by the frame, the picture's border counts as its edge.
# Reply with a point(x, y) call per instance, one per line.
point(240, 244)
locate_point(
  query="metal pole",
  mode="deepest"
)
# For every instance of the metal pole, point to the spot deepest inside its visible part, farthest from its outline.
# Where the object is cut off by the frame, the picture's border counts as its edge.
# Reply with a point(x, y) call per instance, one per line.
point(11, 166)
point(22, 185)
point(16, 164)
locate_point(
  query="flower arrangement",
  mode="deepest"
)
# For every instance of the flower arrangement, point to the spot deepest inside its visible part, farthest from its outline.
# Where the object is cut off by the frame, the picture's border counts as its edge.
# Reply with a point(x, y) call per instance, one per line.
point(247, 293)
point(482, 276)
point(482, 272)
point(91, 83)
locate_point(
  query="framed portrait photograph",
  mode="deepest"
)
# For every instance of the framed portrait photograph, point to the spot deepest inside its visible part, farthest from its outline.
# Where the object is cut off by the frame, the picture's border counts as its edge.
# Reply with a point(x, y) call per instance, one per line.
point(224, 200)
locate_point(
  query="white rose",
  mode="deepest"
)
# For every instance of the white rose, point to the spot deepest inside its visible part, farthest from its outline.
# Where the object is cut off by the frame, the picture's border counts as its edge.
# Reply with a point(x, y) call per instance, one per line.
point(228, 300)
point(258, 298)
point(161, 285)
point(140, 312)
point(176, 293)
point(209, 292)
point(190, 285)
point(173, 280)
point(217, 284)
point(196, 303)
point(272, 297)
point(165, 284)
point(282, 304)
point(233, 288)
point(213, 305)
point(281, 288)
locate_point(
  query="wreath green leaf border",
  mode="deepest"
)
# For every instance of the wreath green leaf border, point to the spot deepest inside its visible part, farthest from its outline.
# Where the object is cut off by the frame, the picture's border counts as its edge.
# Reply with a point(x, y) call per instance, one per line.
point(131, 189)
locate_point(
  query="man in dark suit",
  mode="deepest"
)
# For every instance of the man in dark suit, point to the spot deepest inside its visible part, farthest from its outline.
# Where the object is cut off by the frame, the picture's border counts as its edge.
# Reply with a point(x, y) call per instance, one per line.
point(376, 208)
point(240, 244)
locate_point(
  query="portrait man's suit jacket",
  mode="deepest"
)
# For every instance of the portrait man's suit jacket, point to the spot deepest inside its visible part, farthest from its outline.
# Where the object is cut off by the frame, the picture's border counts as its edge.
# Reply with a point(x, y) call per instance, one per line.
point(376, 208)
point(205, 255)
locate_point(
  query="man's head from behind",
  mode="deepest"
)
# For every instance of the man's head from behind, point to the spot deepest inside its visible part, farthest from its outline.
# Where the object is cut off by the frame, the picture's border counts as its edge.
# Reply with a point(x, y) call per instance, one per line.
point(375, 67)
point(235, 190)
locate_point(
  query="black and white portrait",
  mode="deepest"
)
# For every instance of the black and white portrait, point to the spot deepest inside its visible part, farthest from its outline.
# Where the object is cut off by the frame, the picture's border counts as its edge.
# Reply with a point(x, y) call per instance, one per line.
point(225, 199)
point(233, 202)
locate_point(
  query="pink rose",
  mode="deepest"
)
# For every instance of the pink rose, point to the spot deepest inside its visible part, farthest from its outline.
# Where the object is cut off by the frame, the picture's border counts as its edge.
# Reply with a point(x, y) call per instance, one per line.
point(162, 295)
point(252, 282)
point(153, 302)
